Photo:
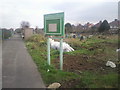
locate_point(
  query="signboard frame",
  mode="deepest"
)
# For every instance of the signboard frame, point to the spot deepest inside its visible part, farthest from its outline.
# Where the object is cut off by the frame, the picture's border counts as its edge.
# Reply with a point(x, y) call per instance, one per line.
point(55, 18)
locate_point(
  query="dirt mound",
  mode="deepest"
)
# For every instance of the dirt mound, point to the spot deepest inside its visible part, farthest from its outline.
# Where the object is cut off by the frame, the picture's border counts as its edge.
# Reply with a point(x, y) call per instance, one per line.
point(79, 63)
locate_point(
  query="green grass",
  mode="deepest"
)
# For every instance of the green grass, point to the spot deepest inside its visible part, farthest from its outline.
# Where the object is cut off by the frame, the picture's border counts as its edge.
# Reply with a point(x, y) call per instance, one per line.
point(54, 54)
point(39, 56)
point(109, 80)
point(77, 44)
point(95, 80)
point(38, 51)
point(58, 76)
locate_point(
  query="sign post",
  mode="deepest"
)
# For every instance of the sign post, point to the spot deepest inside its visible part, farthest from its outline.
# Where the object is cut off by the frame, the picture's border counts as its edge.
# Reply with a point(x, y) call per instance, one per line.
point(61, 54)
point(48, 51)
point(54, 26)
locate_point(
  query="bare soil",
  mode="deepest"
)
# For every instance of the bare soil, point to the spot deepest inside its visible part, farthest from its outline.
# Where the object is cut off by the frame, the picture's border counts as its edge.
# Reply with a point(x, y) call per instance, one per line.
point(80, 63)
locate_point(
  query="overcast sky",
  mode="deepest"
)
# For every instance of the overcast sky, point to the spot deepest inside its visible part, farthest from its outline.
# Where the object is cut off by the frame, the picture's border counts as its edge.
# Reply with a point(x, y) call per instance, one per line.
point(12, 12)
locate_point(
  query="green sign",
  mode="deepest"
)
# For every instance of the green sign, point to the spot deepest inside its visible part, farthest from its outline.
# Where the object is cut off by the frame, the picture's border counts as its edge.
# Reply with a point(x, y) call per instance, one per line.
point(54, 24)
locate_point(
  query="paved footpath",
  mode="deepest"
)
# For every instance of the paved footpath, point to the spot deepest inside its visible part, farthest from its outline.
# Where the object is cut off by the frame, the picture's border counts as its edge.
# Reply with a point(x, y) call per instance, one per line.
point(18, 68)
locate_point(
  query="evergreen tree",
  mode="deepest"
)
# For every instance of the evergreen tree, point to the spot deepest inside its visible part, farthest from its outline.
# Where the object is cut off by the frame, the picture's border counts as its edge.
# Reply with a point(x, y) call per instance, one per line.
point(104, 26)
point(68, 28)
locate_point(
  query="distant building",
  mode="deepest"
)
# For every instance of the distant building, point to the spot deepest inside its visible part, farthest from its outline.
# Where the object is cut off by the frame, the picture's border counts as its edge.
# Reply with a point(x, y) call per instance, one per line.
point(98, 24)
point(88, 26)
point(27, 32)
point(114, 24)
point(38, 31)
point(78, 28)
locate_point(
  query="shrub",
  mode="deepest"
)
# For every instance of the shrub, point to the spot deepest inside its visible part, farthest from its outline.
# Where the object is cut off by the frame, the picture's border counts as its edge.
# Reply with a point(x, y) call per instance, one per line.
point(39, 39)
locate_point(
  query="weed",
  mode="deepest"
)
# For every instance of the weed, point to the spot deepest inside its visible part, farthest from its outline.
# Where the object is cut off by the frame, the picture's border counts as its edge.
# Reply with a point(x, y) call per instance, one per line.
point(49, 73)
point(94, 46)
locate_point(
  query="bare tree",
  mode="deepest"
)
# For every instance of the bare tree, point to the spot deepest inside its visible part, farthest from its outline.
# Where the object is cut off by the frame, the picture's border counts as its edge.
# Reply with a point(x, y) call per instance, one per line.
point(25, 24)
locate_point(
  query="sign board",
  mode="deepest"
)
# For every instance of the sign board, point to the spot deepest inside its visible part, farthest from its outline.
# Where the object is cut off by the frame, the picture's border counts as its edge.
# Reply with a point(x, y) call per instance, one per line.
point(54, 24)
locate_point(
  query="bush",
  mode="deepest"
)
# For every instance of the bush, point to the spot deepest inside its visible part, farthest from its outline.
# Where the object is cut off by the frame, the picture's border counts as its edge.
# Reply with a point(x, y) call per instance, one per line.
point(39, 39)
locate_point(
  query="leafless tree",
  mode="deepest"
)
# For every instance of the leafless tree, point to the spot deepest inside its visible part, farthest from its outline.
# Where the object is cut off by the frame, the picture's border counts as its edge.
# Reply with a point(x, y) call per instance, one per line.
point(25, 24)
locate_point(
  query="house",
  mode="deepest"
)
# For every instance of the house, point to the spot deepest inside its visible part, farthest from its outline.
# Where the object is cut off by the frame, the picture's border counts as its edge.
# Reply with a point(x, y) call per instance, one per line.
point(114, 24)
point(88, 26)
point(39, 30)
point(98, 24)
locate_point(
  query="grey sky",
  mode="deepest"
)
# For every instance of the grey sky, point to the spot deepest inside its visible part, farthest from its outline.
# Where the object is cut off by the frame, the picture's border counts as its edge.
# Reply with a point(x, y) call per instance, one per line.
point(12, 12)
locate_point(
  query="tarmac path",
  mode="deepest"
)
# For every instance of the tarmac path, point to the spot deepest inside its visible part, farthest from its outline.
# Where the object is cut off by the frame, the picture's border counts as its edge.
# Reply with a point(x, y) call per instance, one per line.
point(18, 68)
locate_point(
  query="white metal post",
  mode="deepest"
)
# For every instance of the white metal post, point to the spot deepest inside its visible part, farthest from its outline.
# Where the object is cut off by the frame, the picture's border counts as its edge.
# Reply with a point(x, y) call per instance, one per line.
point(61, 54)
point(48, 51)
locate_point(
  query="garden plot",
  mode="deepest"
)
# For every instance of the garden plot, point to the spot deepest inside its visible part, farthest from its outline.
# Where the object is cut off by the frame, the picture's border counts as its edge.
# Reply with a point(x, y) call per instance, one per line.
point(83, 68)
point(90, 55)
